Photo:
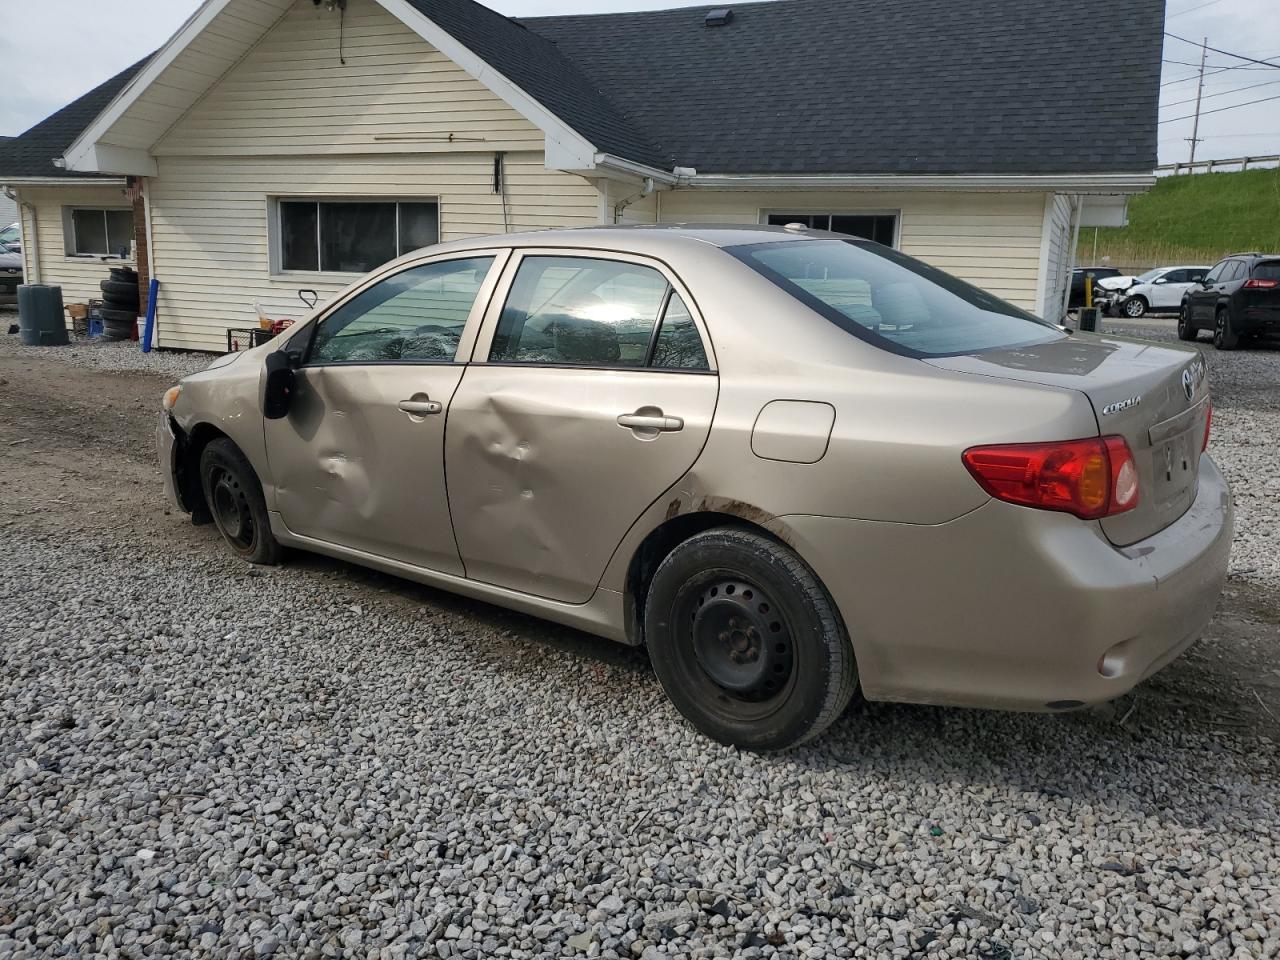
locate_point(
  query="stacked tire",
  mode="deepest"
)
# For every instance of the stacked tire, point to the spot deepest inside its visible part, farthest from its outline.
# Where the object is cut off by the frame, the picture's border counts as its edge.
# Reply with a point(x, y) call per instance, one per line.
point(120, 303)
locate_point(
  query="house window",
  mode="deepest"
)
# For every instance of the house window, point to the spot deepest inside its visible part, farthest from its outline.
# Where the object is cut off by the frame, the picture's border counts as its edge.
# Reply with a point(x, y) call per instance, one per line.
point(880, 227)
point(93, 232)
point(353, 236)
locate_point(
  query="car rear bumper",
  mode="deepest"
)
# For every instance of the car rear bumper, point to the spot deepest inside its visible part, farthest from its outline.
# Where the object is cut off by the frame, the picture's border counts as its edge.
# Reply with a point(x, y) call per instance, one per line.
point(1014, 608)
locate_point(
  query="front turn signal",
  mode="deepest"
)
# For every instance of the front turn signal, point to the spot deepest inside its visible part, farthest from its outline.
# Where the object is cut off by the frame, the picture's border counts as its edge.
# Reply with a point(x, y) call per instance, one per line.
point(170, 399)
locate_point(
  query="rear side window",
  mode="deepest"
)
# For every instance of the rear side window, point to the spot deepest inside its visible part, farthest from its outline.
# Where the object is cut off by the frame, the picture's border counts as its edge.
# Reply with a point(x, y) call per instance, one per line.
point(583, 311)
point(1267, 270)
point(893, 300)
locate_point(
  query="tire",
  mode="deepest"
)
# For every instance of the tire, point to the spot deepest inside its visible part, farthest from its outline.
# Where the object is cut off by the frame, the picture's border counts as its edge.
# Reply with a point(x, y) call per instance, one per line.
point(116, 315)
point(1134, 307)
point(1224, 337)
point(120, 290)
point(746, 642)
point(1186, 329)
point(233, 495)
point(124, 275)
point(131, 307)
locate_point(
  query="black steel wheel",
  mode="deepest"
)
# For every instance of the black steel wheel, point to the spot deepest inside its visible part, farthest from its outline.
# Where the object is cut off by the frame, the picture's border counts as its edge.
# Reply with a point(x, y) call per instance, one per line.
point(1186, 329)
point(1224, 337)
point(234, 499)
point(746, 642)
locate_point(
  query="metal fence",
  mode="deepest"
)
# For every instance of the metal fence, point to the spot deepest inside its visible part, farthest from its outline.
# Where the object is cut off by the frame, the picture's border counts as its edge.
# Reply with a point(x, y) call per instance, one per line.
point(1218, 166)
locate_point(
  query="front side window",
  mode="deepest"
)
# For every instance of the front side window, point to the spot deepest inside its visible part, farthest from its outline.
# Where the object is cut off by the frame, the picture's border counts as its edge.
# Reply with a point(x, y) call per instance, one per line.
point(879, 227)
point(892, 300)
point(99, 233)
point(353, 236)
point(417, 315)
point(579, 311)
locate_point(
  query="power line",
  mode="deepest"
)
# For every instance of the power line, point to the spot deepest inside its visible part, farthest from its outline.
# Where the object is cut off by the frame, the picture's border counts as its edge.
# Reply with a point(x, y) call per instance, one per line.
point(1226, 53)
point(1221, 93)
point(1193, 9)
point(1205, 113)
point(1213, 73)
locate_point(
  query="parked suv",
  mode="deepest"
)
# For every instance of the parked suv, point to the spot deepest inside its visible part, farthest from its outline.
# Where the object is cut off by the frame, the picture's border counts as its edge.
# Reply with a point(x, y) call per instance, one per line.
point(1158, 291)
point(1239, 298)
point(1076, 298)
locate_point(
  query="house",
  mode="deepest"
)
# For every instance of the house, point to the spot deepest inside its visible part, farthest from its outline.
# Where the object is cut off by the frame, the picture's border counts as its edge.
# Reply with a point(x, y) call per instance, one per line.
point(275, 146)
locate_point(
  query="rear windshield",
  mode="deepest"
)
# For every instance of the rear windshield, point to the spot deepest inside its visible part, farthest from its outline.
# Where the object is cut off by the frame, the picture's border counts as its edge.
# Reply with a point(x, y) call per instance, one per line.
point(1267, 270)
point(893, 300)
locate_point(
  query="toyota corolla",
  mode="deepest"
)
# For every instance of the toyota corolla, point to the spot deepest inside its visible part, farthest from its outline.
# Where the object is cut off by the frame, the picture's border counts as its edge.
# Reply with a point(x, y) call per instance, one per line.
point(792, 464)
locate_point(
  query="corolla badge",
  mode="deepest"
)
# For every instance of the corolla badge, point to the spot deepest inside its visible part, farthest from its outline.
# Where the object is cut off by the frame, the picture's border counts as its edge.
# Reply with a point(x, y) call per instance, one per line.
point(1119, 405)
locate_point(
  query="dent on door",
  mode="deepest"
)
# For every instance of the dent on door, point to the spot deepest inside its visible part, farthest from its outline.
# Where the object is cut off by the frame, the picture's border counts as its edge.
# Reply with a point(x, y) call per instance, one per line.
point(545, 479)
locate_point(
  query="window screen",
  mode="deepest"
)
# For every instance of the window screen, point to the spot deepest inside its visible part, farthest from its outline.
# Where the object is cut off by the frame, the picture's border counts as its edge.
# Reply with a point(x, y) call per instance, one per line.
point(100, 233)
point(353, 236)
point(416, 315)
point(878, 227)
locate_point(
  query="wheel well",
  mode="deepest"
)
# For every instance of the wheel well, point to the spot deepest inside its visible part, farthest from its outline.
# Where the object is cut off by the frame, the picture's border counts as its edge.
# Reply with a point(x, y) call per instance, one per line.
point(655, 548)
point(191, 446)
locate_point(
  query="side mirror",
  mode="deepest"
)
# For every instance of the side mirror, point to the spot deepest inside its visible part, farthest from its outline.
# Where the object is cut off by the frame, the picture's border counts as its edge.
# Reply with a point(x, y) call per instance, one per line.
point(277, 392)
point(1160, 280)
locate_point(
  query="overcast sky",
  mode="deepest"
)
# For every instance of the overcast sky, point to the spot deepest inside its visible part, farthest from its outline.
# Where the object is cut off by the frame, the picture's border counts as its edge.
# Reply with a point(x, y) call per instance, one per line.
point(58, 49)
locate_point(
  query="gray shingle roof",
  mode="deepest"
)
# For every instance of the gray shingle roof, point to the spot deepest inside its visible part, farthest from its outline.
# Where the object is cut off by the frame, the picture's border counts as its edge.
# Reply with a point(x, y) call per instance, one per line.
point(809, 86)
point(883, 86)
point(31, 154)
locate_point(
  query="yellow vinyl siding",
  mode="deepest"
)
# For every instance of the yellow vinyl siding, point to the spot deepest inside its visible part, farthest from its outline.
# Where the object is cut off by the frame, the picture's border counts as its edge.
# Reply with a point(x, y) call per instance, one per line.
point(79, 277)
point(210, 224)
point(990, 239)
point(1058, 265)
point(395, 94)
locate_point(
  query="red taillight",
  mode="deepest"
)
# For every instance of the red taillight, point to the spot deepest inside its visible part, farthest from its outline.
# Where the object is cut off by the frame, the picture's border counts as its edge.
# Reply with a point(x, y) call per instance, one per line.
point(1256, 284)
point(1208, 422)
point(1090, 478)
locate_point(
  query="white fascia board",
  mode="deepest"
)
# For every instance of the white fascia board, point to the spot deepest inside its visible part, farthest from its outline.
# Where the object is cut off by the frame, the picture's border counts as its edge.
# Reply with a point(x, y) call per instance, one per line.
point(566, 149)
point(63, 182)
point(83, 155)
point(1108, 183)
point(630, 170)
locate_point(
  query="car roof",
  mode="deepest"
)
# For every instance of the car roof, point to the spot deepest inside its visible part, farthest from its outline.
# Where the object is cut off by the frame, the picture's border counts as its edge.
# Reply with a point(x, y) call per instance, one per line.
point(650, 239)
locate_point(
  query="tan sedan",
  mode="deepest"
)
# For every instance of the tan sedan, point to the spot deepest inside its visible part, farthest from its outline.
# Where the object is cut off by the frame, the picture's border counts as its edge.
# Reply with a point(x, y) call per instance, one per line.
point(789, 463)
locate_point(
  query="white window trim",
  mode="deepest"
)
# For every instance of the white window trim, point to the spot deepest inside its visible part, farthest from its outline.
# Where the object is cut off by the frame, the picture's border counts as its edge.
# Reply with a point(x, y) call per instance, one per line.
point(275, 233)
point(828, 211)
point(69, 232)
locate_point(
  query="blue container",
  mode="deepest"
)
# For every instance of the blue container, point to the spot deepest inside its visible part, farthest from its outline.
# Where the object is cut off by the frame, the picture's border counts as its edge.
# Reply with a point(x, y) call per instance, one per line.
point(95, 327)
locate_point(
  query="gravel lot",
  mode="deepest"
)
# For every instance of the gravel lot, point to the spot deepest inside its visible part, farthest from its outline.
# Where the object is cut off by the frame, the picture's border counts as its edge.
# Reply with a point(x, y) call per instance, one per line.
point(198, 758)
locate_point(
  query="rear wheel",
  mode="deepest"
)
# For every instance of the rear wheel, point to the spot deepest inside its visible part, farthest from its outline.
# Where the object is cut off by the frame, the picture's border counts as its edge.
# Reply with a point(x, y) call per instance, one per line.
point(1224, 337)
point(1186, 330)
point(1134, 307)
point(234, 497)
point(746, 642)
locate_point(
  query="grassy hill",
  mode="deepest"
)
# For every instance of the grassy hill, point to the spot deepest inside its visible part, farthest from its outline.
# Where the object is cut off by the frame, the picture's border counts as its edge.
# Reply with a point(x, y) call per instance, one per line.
point(1194, 218)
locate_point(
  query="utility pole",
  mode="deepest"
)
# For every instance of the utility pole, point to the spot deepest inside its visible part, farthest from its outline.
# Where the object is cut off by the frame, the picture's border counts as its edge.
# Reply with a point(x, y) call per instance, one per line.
point(1195, 124)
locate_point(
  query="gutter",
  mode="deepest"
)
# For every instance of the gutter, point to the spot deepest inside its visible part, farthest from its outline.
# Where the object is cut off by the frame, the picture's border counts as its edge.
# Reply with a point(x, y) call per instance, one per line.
point(65, 182)
point(1103, 183)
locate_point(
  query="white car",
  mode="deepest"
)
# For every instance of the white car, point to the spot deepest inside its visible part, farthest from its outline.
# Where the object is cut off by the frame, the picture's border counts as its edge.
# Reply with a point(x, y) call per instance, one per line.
point(1157, 291)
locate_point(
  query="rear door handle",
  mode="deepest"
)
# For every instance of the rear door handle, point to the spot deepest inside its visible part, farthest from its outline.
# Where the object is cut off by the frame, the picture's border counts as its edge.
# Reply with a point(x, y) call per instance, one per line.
point(644, 421)
point(421, 408)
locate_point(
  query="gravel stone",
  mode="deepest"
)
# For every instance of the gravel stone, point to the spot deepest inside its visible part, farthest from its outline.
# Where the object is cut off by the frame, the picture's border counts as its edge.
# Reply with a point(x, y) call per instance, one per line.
point(327, 762)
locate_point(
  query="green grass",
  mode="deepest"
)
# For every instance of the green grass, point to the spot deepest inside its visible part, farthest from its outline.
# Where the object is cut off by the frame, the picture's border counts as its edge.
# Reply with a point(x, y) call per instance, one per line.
point(1197, 218)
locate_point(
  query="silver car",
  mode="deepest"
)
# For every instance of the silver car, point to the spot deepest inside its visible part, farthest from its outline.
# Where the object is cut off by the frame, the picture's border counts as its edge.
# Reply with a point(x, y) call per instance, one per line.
point(791, 464)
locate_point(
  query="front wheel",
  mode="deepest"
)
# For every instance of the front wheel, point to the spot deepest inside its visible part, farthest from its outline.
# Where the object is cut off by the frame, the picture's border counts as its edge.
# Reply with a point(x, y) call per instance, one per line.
point(1224, 336)
point(234, 497)
point(1186, 330)
point(746, 642)
point(1134, 307)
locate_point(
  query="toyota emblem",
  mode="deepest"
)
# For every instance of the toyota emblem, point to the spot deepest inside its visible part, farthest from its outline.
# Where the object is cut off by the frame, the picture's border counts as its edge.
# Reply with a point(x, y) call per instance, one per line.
point(1188, 383)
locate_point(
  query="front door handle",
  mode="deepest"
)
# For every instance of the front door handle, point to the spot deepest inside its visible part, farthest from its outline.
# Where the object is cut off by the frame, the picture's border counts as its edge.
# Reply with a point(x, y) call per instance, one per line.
point(420, 408)
point(643, 421)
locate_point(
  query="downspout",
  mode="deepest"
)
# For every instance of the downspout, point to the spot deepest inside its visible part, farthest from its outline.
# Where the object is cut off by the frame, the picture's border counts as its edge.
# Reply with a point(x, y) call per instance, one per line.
point(1077, 203)
point(32, 242)
point(645, 191)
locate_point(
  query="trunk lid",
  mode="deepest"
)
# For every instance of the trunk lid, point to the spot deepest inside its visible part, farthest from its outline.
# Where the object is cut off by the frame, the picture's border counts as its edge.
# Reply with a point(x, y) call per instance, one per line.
point(1155, 396)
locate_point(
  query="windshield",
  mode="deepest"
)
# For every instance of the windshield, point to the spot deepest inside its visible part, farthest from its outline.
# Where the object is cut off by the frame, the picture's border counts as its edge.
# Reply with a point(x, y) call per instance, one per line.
point(9, 234)
point(1152, 274)
point(892, 300)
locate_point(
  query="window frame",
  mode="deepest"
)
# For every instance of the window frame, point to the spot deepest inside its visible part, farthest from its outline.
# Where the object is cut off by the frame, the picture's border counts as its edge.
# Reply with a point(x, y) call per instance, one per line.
point(275, 222)
point(69, 230)
point(498, 301)
point(303, 341)
point(808, 211)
